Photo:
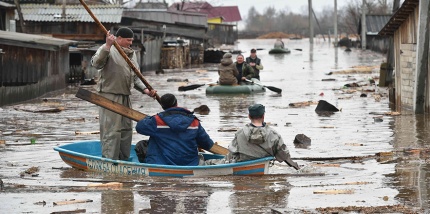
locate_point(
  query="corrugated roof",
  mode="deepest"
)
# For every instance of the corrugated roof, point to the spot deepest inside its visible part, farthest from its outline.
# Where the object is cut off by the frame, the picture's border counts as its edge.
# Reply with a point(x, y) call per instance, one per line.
point(4, 4)
point(228, 13)
point(7, 37)
point(399, 17)
point(163, 16)
point(74, 13)
point(374, 23)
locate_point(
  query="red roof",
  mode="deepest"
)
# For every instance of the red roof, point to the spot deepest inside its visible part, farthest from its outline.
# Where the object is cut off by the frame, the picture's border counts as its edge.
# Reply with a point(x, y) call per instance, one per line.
point(228, 13)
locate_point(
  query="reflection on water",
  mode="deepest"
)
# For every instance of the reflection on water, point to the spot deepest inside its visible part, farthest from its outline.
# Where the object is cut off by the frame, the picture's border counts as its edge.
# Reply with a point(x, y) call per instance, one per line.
point(117, 201)
point(351, 132)
point(413, 171)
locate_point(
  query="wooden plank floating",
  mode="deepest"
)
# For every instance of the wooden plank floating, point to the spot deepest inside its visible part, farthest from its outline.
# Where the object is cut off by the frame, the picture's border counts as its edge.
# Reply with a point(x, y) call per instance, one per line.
point(354, 144)
point(40, 109)
point(115, 185)
point(228, 129)
point(72, 201)
point(70, 211)
point(128, 112)
point(326, 164)
point(334, 191)
point(92, 132)
point(86, 133)
point(302, 104)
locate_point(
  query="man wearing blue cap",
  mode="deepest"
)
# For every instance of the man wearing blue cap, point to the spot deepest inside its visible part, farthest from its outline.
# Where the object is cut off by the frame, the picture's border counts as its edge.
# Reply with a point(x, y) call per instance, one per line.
point(257, 140)
point(116, 78)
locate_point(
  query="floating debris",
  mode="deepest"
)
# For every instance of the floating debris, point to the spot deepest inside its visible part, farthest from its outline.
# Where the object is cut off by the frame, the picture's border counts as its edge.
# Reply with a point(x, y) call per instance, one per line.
point(72, 201)
point(334, 191)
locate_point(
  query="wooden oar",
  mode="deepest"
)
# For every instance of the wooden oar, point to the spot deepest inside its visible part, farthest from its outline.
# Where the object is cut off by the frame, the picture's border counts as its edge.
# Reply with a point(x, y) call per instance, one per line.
point(192, 87)
point(136, 71)
point(274, 89)
point(128, 112)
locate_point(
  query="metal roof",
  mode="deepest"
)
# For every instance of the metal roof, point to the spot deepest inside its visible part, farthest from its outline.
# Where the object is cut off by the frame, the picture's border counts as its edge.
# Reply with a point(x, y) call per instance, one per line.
point(228, 13)
point(399, 17)
point(171, 17)
point(74, 13)
point(4, 4)
point(32, 41)
point(374, 23)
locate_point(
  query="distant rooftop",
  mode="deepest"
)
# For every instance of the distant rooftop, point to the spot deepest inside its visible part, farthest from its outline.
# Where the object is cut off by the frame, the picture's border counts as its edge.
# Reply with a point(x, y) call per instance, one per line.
point(4, 4)
point(74, 13)
point(374, 23)
point(32, 41)
point(227, 13)
point(399, 17)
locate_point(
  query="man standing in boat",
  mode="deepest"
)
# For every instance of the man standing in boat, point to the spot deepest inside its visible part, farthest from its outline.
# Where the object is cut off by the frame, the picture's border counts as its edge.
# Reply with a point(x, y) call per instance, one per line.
point(245, 70)
point(255, 63)
point(115, 81)
point(279, 44)
point(174, 135)
point(256, 140)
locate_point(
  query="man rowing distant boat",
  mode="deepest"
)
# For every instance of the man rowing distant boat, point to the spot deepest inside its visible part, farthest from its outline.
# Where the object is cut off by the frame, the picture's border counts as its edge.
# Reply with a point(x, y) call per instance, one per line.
point(279, 44)
point(245, 70)
point(256, 140)
point(175, 135)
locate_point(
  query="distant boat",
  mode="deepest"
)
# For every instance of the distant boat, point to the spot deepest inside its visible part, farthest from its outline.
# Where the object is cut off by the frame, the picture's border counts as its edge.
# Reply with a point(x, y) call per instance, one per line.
point(295, 38)
point(279, 51)
point(243, 88)
point(87, 156)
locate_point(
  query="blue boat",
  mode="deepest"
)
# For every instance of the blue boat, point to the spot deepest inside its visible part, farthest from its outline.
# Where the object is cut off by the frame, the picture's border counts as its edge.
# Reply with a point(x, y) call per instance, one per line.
point(243, 88)
point(86, 155)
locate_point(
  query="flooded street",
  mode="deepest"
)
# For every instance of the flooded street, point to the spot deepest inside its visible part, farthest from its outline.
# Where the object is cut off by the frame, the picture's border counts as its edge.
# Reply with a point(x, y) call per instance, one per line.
point(359, 157)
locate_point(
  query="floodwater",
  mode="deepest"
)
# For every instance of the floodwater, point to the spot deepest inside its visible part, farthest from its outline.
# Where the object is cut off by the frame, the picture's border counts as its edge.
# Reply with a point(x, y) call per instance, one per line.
point(341, 168)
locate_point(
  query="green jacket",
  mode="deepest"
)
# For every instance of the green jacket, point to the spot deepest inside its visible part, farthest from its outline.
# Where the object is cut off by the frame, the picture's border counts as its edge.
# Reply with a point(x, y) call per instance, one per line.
point(227, 72)
point(247, 71)
point(252, 142)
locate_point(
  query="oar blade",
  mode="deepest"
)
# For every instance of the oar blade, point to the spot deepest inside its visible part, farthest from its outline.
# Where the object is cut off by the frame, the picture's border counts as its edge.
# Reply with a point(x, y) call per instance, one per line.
point(190, 87)
point(274, 89)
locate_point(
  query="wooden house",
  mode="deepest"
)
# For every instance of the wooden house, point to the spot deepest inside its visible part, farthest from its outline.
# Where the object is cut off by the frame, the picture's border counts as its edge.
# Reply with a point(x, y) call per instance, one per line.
point(31, 65)
point(72, 22)
point(374, 23)
point(7, 16)
point(159, 30)
point(222, 21)
point(409, 28)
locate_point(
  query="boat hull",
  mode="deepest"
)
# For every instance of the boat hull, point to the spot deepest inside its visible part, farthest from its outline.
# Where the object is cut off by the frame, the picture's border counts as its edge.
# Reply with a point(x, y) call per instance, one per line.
point(86, 155)
point(279, 51)
point(236, 89)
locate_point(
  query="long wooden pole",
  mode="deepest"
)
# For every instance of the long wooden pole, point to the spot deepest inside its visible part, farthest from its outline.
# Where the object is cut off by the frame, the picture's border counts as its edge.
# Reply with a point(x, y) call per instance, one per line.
point(128, 112)
point(136, 71)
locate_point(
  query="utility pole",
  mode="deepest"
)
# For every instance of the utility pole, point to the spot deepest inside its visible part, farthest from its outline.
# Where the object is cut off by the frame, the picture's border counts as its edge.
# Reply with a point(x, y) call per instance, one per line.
point(363, 26)
point(335, 24)
point(422, 68)
point(21, 17)
point(311, 27)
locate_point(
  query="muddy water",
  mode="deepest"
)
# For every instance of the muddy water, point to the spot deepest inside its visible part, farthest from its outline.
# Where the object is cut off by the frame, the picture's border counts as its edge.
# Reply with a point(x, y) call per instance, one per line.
point(352, 132)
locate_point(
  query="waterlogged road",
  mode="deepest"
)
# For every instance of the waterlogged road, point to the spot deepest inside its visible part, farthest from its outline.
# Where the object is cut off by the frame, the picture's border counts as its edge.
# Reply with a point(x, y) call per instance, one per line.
point(330, 177)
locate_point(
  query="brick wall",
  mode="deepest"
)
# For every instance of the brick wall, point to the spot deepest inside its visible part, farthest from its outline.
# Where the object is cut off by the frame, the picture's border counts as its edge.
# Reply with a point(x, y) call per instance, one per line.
point(407, 67)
